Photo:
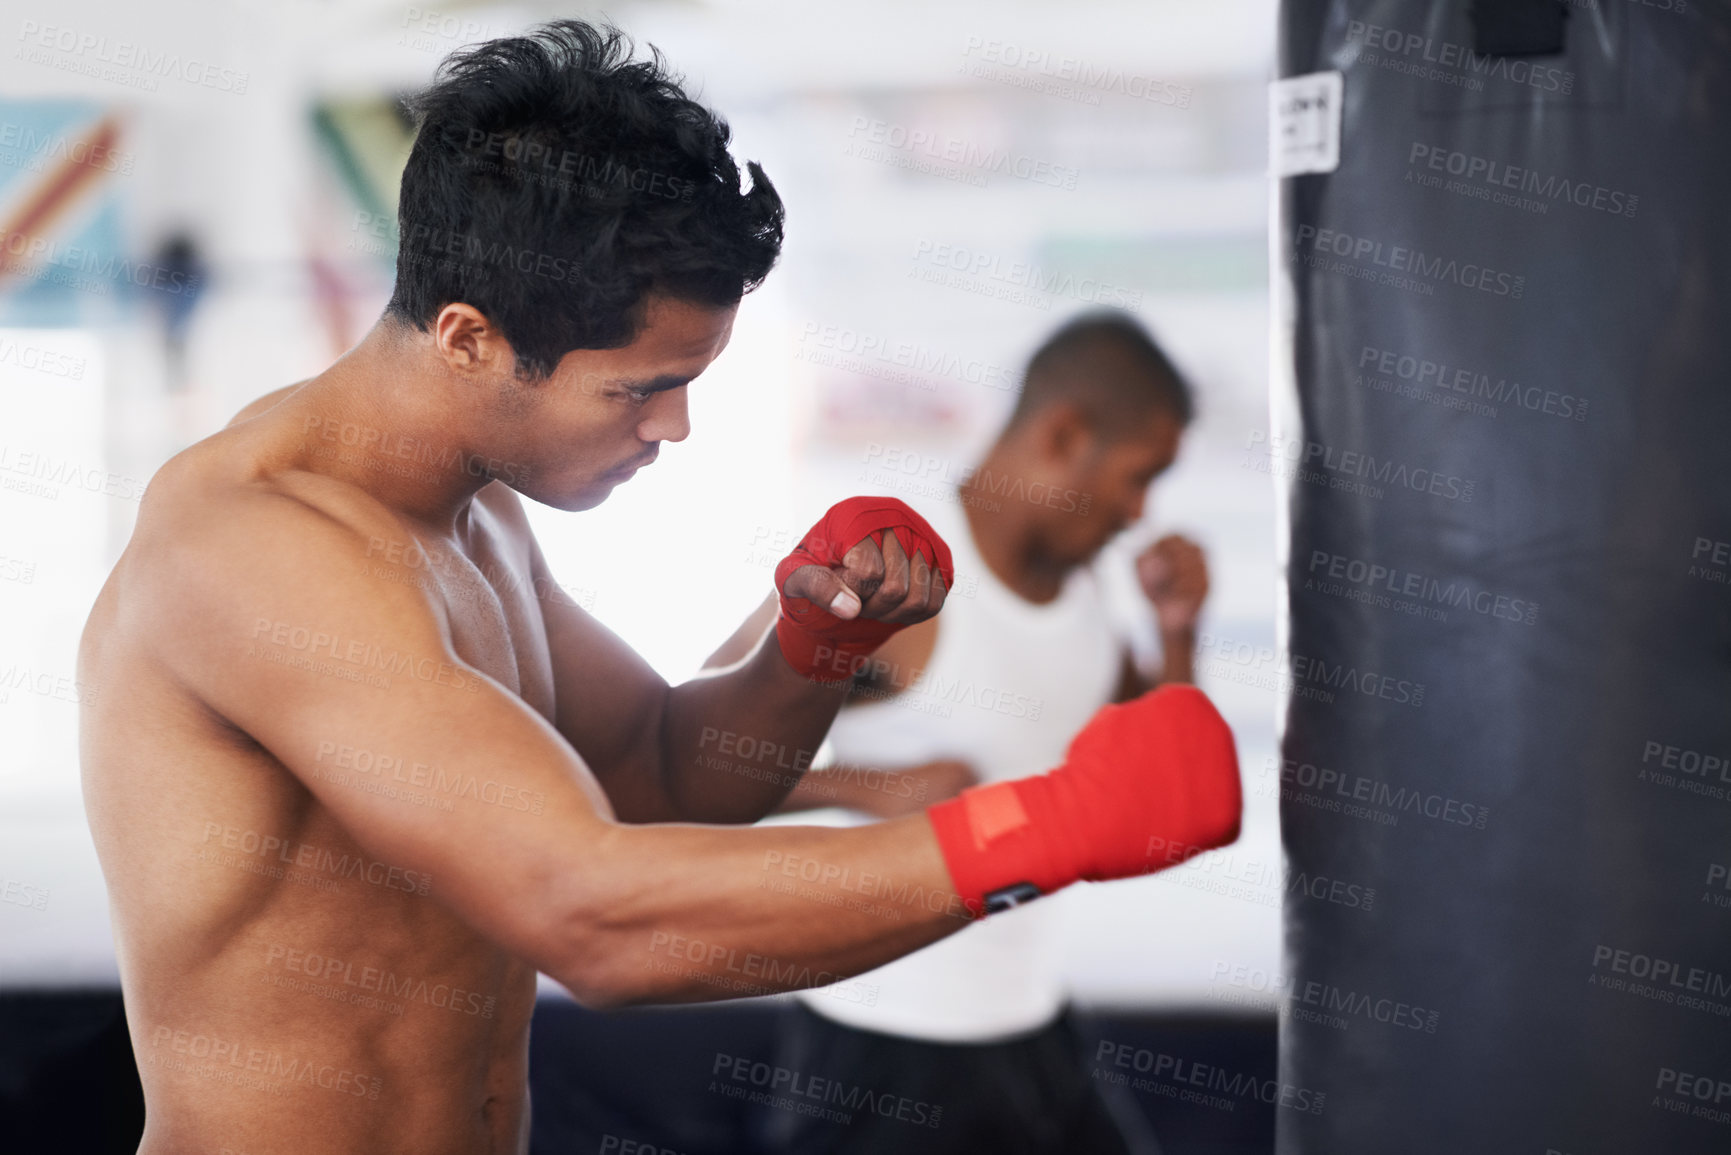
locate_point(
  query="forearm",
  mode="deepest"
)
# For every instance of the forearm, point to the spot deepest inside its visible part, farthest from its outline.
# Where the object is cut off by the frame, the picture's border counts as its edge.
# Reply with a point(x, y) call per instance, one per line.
point(681, 913)
point(1179, 647)
point(878, 791)
point(824, 787)
point(854, 787)
point(1178, 666)
point(735, 743)
point(677, 913)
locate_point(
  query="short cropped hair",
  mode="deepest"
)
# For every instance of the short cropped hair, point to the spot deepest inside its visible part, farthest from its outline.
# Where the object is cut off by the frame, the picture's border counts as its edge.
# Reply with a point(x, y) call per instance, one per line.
point(1109, 366)
point(555, 184)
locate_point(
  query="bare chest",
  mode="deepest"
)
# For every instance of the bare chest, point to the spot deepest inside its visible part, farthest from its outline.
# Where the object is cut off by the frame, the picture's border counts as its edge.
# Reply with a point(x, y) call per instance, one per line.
point(490, 605)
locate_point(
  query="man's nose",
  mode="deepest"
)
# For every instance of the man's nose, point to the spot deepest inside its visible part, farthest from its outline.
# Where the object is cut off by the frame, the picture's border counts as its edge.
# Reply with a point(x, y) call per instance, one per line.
point(668, 418)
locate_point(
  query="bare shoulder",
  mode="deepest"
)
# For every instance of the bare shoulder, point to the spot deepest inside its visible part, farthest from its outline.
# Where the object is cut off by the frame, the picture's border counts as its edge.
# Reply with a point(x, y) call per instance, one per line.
point(222, 541)
point(222, 493)
point(263, 404)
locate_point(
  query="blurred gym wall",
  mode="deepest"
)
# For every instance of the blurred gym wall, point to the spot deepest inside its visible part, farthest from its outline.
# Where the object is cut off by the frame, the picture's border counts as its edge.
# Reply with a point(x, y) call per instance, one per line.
point(197, 205)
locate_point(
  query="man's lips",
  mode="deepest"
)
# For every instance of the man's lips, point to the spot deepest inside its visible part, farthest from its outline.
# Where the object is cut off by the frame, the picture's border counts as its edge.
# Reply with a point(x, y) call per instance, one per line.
point(631, 467)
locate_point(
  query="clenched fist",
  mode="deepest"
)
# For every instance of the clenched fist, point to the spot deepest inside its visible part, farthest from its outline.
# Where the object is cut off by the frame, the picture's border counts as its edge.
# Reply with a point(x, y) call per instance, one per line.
point(870, 567)
point(1173, 573)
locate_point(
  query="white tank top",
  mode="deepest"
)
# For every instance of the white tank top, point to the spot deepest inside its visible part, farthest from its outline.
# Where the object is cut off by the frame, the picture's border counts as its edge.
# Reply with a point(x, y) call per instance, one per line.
point(1007, 686)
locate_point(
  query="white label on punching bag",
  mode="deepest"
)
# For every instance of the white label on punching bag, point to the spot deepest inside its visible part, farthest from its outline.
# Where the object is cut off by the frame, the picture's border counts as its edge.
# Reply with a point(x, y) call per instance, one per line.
point(1304, 124)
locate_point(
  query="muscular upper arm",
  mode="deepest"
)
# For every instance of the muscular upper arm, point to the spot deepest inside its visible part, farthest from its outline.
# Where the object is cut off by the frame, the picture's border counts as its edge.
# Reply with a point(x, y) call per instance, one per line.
point(260, 606)
point(743, 641)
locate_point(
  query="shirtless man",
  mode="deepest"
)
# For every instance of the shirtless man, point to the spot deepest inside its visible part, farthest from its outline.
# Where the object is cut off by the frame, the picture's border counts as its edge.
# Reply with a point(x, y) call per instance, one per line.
point(356, 768)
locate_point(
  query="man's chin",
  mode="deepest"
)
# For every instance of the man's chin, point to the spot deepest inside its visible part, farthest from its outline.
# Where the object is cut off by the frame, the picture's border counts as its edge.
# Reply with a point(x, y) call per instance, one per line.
point(587, 499)
point(576, 500)
point(1087, 552)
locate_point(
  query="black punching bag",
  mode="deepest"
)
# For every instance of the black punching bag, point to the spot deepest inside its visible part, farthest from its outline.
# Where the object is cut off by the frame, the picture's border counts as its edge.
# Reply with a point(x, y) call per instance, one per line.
point(1504, 292)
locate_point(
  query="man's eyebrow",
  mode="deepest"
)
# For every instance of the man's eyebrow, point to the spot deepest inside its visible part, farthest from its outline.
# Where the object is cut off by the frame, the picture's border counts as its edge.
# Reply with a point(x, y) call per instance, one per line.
point(655, 384)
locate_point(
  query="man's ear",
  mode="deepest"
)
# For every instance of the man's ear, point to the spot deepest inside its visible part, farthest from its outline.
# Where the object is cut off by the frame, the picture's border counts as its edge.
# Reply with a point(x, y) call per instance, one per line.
point(469, 343)
point(1066, 435)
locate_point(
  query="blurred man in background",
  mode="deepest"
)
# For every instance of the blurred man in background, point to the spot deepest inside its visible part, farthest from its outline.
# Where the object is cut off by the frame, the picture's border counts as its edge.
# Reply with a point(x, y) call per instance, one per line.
point(993, 690)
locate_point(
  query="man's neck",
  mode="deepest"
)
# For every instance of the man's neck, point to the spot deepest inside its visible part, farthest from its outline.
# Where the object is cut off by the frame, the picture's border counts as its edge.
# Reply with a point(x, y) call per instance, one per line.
point(1005, 536)
point(380, 419)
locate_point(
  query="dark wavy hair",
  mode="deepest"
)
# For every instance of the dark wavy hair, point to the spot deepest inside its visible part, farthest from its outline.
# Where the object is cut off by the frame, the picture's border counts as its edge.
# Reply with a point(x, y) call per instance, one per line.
point(556, 184)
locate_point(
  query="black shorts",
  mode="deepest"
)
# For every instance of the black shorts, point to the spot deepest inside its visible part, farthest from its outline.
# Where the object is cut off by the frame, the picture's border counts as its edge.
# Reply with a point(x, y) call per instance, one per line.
point(847, 1090)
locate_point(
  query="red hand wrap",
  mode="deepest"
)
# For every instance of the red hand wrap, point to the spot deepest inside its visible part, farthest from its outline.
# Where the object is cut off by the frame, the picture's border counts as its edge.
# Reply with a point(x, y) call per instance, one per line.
point(815, 642)
point(1144, 785)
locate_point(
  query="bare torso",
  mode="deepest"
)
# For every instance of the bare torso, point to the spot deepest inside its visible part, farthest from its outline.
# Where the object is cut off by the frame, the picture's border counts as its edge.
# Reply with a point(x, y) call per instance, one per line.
point(285, 990)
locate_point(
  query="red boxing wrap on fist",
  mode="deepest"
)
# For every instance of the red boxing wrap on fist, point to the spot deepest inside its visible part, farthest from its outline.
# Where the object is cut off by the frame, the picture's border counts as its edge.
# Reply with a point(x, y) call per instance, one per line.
point(814, 641)
point(1144, 785)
